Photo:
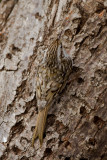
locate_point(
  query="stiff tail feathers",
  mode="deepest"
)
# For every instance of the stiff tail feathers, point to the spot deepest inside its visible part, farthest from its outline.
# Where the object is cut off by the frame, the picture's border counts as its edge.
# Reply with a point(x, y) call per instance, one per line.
point(40, 125)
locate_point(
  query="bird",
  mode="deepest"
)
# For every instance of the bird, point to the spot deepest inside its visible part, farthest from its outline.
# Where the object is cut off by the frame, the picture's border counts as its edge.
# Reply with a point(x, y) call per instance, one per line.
point(51, 78)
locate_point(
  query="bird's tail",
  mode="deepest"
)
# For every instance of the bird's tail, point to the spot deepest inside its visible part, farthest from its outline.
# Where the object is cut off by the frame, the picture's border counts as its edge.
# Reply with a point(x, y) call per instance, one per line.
point(40, 125)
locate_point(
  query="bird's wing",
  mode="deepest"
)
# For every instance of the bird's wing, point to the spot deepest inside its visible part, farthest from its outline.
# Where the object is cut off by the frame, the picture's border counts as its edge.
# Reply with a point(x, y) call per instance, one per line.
point(48, 84)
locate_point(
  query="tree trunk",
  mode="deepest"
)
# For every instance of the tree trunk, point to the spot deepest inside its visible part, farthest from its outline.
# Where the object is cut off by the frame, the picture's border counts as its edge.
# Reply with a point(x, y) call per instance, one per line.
point(76, 125)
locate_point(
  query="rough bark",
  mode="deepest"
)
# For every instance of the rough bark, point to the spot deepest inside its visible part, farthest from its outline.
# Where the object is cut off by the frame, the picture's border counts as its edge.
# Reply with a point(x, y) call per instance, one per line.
point(76, 125)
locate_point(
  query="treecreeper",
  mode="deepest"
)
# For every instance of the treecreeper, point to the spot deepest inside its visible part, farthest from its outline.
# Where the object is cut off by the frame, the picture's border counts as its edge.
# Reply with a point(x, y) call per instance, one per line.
point(51, 79)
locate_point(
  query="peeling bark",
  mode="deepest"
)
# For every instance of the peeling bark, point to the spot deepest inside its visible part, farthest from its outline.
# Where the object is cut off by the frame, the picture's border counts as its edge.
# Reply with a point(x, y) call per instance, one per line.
point(77, 124)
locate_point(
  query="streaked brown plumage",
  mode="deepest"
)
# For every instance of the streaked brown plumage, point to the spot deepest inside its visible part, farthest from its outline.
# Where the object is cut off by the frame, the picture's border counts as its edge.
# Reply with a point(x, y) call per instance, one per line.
point(51, 79)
